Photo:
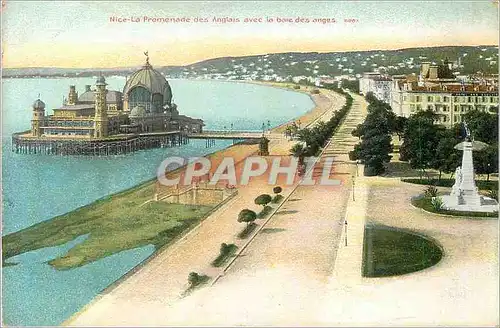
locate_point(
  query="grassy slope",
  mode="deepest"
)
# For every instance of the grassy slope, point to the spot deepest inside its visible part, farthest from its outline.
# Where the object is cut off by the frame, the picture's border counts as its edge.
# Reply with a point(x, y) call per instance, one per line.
point(115, 223)
point(389, 252)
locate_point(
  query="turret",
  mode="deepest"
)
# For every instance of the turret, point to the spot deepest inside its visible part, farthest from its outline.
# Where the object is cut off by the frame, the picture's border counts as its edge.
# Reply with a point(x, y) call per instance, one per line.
point(38, 117)
point(101, 116)
point(72, 95)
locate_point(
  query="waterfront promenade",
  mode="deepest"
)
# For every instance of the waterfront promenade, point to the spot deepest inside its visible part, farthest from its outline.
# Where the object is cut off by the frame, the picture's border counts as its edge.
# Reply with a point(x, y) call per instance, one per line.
point(144, 297)
point(280, 277)
point(298, 270)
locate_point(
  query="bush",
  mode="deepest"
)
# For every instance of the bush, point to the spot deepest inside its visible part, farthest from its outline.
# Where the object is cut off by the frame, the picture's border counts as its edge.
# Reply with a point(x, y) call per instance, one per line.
point(315, 91)
point(296, 87)
point(430, 192)
point(277, 189)
point(194, 279)
point(247, 216)
point(263, 199)
point(437, 204)
point(225, 252)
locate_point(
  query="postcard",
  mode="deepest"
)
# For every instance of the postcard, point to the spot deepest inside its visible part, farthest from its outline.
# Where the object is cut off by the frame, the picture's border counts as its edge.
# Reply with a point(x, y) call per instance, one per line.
point(249, 163)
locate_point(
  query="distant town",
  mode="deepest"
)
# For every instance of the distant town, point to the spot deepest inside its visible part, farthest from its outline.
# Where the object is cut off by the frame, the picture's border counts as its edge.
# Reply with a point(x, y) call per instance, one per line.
point(294, 67)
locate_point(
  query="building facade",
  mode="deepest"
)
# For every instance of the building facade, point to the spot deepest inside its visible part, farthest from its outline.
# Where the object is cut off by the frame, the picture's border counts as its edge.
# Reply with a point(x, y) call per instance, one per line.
point(378, 84)
point(144, 106)
point(449, 101)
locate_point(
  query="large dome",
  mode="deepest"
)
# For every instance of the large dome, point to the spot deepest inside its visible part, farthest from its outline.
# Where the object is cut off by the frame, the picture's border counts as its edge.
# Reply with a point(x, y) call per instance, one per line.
point(152, 81)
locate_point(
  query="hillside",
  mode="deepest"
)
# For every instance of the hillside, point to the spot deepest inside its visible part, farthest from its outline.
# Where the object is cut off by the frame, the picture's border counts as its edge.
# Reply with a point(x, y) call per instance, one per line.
point(472, 59)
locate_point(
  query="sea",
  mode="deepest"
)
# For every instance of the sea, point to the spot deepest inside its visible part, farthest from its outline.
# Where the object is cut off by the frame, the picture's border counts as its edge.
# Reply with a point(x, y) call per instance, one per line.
point(38, 187)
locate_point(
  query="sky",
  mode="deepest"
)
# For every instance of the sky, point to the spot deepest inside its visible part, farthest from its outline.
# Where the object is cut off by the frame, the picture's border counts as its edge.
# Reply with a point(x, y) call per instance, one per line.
point(81, 34)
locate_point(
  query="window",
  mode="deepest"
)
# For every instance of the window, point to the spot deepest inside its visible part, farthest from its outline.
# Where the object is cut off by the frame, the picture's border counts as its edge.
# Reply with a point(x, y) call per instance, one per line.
point(444, 118)
point(438, 99)
point(445, 108)
point(412, 107)
point(429, 107)
point(418, 98)
point(429, 98)
point(455, 108)
point(419, 107)
point(485, 99)
point(404, 98)
point(469, 99)
point(455, 119)
point(446, 99)
point(456, 99)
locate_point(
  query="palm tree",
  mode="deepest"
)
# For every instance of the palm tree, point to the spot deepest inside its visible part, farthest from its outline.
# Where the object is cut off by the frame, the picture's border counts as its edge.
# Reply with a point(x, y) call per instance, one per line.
point(299, 151)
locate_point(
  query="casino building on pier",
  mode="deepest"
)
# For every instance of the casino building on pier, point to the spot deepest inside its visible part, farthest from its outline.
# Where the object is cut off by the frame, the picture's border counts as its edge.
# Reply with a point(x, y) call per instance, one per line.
point(143, 111)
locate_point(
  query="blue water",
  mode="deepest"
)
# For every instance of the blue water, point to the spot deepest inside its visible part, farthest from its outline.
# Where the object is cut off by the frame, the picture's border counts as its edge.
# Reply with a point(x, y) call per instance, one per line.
point(39, 187)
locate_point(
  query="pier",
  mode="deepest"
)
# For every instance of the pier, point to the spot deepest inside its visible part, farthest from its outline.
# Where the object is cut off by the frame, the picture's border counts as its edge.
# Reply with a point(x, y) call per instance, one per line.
point(236, 135)
point(24, 143)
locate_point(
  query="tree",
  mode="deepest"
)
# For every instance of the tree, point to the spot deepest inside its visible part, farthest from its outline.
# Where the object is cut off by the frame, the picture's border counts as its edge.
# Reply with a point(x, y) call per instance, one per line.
point(375, 133)
point(264, 146)
point(277, 190)
point(263, 200)
point(486, 160)
point(298, 151)
point(399, 126)
point(446, 158)
point(483, 126)
point(247, 216)
point(420, 140)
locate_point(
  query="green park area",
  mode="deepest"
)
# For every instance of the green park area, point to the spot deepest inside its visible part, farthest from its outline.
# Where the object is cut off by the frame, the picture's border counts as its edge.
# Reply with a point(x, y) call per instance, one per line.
point(389, 252)
point(113, 224)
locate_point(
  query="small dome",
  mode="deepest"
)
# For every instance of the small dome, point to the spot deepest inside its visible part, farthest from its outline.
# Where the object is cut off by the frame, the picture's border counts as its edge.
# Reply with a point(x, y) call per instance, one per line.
point(100, 81)
point(38, 104)
point(138, 111)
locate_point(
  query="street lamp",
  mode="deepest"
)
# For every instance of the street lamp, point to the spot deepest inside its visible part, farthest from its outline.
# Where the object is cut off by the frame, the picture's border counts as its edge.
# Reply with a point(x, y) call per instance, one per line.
point(345, 227)
point(353, 182)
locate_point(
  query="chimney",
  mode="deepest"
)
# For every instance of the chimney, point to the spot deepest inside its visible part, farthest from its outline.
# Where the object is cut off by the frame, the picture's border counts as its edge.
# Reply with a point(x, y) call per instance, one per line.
point(87, 88)
point(433, 72)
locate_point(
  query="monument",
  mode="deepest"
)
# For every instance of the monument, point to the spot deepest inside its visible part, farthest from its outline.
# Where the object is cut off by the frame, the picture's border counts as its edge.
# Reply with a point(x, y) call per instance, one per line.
point(464, 194)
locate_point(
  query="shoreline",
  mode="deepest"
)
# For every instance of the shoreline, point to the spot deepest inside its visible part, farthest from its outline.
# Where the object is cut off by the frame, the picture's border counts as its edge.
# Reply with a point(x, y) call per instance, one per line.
point(149, 183)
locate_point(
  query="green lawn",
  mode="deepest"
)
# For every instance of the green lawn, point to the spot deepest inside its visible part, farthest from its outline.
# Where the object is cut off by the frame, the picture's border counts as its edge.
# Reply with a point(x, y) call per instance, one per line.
point(425, 203)
point(388, 252)
point(114, 224)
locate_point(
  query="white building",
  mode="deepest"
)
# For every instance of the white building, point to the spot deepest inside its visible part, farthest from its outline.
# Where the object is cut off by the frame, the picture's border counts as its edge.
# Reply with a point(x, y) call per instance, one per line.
point(449, 100)
point(378, 84)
